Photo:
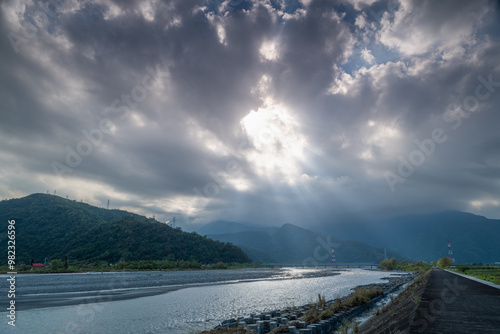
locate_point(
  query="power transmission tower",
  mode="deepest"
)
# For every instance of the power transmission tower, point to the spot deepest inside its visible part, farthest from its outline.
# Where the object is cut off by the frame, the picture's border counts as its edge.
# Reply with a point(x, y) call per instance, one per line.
point(450, 253)
point(334, 260)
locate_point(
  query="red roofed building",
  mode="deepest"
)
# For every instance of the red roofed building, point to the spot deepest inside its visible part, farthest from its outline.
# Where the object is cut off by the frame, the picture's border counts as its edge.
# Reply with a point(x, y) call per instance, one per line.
point(33, 264)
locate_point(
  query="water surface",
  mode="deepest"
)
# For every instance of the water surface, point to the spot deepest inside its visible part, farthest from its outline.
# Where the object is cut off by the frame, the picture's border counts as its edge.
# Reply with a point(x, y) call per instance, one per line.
point(190, 309)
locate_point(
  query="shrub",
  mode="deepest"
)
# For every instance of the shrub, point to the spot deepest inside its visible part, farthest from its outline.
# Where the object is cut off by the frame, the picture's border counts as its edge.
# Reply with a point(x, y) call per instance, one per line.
point(388, 264)
point(444, 262)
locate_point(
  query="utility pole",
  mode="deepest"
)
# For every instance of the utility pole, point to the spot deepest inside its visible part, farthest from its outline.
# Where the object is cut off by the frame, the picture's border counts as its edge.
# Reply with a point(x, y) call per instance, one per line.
point(107, 205)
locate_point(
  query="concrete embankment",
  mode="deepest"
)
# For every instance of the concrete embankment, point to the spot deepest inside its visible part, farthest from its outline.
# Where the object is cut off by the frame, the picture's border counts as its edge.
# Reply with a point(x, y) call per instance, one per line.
point(313, 319)
point(440, 302)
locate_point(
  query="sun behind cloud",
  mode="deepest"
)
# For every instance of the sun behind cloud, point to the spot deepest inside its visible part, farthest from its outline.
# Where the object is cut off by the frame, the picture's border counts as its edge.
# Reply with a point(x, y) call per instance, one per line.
point(278, 142)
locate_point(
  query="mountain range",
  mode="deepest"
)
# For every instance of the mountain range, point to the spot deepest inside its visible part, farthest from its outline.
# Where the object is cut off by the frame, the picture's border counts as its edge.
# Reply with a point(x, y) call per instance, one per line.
point(292, 244)
point(49, 226)
point(474, 238)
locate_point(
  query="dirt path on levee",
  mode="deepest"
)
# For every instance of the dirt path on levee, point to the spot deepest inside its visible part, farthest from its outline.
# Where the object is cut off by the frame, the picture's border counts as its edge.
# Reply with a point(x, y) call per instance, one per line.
point(440, 302)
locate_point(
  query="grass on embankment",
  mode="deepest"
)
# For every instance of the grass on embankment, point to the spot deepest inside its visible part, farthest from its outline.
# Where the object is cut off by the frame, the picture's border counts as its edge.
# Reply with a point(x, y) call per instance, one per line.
point(491, 274)
point(397, 315)
point(359, 297)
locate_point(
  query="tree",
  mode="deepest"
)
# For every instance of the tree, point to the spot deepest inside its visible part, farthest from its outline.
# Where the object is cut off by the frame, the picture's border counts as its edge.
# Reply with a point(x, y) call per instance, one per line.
point(444, 262)
point(388, 264)
point(56, 264)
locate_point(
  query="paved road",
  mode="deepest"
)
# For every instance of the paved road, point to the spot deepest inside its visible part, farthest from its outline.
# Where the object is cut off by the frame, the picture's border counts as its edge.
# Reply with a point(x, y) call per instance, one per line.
point(454, 304)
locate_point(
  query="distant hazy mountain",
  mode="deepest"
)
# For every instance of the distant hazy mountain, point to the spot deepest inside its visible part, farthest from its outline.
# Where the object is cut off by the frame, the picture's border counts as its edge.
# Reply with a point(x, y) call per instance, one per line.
point(52, 227)
point(292, 244)
point(424, 237)
point(223, 226)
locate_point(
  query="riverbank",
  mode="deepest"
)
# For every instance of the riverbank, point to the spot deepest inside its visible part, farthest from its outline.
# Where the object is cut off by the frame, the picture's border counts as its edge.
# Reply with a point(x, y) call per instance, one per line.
point(398, 314)
point(322, 316)
point(440, 302)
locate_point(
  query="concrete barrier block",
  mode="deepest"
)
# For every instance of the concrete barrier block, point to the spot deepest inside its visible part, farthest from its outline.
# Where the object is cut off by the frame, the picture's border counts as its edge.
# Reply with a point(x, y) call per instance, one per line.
point(260, 327)
point(252, 328)
point(313, 329)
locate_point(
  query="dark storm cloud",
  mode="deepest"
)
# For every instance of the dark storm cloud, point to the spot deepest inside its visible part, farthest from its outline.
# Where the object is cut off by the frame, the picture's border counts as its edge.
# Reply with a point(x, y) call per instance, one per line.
point(361, 88)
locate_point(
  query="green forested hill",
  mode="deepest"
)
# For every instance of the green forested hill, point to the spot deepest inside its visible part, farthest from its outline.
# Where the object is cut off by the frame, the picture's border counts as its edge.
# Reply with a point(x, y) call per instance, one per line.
point(52, 227)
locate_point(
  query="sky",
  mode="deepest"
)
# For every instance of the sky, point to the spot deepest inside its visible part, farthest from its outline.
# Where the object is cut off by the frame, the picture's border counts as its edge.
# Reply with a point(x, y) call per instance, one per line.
point(266, 111)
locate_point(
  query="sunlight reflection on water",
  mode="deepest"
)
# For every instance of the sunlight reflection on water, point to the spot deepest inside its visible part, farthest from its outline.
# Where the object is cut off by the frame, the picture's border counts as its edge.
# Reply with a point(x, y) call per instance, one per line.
point(192, 309)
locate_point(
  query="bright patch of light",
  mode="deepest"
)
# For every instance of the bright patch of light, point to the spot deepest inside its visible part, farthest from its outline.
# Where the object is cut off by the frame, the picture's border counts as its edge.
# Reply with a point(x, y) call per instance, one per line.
point(278, 143)
point(269, 50)
point(88, 191)
point(113, 11)
point(137, 119)
point(366, 155)
point(361, 21)
point(480, 203)
point(379, 135)
point(147, 11)
point(239, 184)
point(367, 56)
point(342, 84)
point(175, 22)
point(262, 88)
point(382, 133)
point(207, 138)
point(221, 33)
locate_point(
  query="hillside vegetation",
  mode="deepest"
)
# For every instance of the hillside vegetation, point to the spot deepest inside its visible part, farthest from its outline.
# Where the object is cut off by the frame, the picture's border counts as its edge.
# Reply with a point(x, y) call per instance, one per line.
point(52, 227)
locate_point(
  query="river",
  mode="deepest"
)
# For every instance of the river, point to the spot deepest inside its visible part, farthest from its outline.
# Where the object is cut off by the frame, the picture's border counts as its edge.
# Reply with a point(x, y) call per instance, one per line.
point(163, 302)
